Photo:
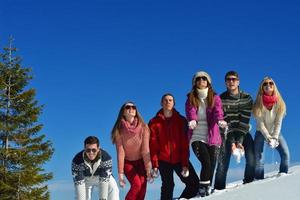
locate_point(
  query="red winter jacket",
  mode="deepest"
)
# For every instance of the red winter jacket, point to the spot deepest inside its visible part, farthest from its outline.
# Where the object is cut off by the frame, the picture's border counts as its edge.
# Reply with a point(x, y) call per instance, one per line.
point(168, 139)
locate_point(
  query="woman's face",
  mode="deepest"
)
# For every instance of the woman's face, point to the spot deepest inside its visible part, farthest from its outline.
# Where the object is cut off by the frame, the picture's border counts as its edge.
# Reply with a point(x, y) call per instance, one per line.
point(129, 110)
point(201, 82)
point(268, 86)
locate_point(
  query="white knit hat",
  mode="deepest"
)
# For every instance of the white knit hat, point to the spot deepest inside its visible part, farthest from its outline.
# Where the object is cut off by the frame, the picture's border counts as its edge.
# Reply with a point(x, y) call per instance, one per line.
point(199, 74)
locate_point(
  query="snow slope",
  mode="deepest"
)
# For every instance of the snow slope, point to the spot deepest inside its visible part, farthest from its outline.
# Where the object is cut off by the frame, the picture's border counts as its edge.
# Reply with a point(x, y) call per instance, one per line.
point(286, 187)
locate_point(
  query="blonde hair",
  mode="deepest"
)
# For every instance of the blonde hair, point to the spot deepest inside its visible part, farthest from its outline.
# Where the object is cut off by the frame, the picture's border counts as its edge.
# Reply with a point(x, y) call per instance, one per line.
point(258, 104)
point(115, 133)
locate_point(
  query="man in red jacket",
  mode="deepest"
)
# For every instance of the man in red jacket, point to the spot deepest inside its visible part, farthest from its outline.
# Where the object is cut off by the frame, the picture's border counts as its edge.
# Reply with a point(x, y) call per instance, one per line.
point(169, 149)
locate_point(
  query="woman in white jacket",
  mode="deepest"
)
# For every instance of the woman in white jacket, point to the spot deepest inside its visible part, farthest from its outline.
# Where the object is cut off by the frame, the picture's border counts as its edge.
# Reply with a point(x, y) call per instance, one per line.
point(269, 110)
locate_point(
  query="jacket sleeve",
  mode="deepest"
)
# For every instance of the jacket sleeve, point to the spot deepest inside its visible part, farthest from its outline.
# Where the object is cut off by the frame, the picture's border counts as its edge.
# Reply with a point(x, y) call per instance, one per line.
point(77, 171)
point(154, 144)
point(277, 126)
point(261, 126)
point(106, 171)
point(146, 149)
point(79, 179)
point(105, 168)
point(245, 114)
point(185, 154)
point(120, 155)
point(218, 114)
point(190, 111)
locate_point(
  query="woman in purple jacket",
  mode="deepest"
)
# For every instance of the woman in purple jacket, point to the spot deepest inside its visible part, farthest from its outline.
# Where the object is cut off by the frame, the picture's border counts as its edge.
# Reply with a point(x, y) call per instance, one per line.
point(205, 114)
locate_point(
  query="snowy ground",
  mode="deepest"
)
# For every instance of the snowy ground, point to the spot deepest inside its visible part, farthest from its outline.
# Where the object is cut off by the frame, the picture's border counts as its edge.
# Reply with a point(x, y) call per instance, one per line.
point(272, 187)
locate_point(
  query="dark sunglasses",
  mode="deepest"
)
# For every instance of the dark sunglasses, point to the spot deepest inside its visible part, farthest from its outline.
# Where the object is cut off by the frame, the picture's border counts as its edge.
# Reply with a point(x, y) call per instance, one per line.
point(91, 150)
point(268, 83)
point(201, 77)
point(231, 79)
point(129, 106)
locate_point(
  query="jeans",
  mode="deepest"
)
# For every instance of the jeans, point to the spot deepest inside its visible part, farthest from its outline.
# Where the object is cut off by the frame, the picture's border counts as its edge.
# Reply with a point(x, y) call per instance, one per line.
point(83, 191)
point(224, 161)
point(282, 149)
point(191, 182)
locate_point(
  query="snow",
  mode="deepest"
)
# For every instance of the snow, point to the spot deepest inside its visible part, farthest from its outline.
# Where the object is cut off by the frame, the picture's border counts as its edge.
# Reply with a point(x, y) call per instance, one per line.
point(272, 187)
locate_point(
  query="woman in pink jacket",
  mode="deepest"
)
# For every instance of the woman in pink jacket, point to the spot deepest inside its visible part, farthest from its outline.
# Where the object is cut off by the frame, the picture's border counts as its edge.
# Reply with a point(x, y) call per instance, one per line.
point(204, 114)
point(131, 135)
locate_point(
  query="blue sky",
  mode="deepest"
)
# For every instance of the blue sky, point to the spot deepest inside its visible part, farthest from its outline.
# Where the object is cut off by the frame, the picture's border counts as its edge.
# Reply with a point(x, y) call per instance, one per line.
point(88, 58)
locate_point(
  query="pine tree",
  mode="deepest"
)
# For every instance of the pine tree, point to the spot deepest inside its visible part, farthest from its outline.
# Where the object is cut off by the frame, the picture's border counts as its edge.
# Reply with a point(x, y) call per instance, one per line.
point(23, 150)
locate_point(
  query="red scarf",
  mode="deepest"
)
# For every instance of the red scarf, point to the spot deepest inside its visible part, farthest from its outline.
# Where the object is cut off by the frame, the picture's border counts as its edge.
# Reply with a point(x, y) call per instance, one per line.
point(269, 101)
point(134, 127)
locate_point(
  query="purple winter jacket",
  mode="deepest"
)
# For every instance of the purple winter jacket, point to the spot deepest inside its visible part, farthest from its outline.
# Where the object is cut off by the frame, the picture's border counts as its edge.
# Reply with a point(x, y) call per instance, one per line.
point(213, 115)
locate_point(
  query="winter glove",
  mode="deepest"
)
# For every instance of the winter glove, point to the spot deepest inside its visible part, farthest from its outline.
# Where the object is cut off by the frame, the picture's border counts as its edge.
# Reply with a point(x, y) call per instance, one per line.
point(222, 123)
point(192, 124)
point(121, 180)
point(155, 173)
point(185, 172)
point(273, 143)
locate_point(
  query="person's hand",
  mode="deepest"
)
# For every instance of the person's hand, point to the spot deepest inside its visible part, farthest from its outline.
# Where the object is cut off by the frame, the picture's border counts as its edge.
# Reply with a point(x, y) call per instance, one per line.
point(238, 151)
point(122, 182)
point(150, 179)
point(222, 123)
point(185, 172)
point(192, 124)
point(240, 146)
point(273, 142)
point(155, 173)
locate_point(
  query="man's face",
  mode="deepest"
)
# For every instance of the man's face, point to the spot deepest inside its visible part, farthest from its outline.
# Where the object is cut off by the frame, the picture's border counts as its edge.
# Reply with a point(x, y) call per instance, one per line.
point(91, 150)
point(232, 83)
point(168, 103)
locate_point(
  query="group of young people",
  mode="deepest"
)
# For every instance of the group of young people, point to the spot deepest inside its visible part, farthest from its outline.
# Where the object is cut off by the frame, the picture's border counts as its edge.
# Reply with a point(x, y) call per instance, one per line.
point(215, 127)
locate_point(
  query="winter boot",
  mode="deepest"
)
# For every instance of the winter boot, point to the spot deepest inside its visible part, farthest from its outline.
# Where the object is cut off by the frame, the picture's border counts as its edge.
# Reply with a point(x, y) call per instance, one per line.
point(203, 190)
point(209, 190)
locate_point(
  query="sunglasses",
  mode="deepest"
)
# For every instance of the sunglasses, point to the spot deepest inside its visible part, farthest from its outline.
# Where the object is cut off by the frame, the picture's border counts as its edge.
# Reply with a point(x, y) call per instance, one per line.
point(91, 150)
point(129, 106)
point(268, 83)
point(231, 79)
point(201, 78)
